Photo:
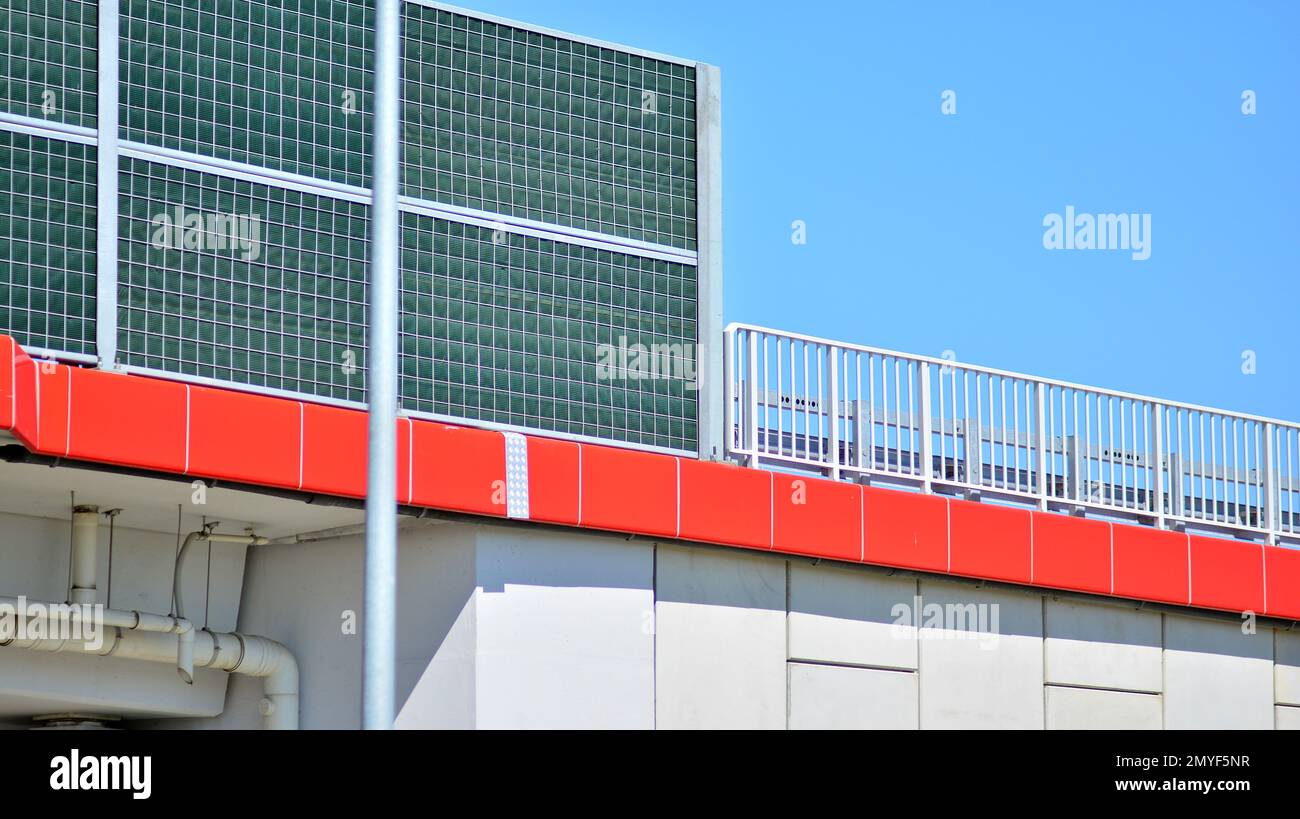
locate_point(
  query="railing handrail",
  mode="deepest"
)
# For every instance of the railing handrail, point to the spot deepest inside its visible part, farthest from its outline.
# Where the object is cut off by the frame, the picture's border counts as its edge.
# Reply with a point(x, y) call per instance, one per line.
point(1069, 385)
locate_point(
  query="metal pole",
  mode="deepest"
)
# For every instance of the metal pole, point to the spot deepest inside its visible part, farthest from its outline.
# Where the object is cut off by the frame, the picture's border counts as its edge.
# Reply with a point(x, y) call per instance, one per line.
point(379, 649)
point(106, 178)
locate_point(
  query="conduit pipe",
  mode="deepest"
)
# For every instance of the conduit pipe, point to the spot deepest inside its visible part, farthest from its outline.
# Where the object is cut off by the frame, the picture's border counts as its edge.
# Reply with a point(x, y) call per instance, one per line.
point(141, 636)
point(139, 621)
point(211, 537)
point(85, 554)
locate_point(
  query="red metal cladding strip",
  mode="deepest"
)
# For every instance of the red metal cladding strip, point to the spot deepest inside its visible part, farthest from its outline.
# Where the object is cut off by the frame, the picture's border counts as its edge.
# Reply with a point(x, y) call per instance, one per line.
point(725, 503)
point(628, 491)
point(24, 402)
point(405, 457)
point(990, 541)
point(458, 468)
point(1227, 574)
point(1071, 553)
point(161, 425)
point(128, 421)
point(8, 395)
point(334, 451)
point(553, 481)
point(1151, 564)
point(53, 398)
point(241, 437)
point(1282, 580)
point(905, 529)
point(817, 517)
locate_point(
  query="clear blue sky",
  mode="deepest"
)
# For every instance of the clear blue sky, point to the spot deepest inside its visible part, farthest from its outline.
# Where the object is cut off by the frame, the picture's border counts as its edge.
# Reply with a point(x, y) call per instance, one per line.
point(925, 231)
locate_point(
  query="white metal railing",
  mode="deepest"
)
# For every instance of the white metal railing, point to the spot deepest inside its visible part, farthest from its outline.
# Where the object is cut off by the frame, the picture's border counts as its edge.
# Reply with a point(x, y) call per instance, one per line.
point(801, 402)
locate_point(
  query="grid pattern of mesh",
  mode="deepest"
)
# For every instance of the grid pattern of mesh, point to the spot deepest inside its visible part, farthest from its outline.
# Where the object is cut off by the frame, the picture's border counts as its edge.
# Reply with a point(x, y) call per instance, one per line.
point(275, 297)
point(511, 329)
point(519, 123)
point(47, 242)
point(48, 60)
point(282, 84)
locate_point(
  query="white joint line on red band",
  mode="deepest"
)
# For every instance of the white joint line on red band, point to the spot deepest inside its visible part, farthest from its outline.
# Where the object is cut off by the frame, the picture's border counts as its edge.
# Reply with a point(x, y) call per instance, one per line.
point(67, 432)
point(579, 446)
point(187, 430)
point(516, 450)
point(1111, 526)
point(13, 384)
point(302, 440)
point(1189, 569)
point(771, 510)
point(862, 524)
point(410, 460)
point(37, 376)
point(1263, 567)
point(678, 463)
point(1031, 546)
point(947, 511)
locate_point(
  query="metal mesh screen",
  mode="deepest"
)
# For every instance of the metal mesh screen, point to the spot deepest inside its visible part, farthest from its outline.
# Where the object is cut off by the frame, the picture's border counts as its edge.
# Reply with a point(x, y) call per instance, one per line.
point(519, 123)
point(240, 282)
point(47, 242)
point(512, 329)
point(282, 84)
point(48, 59)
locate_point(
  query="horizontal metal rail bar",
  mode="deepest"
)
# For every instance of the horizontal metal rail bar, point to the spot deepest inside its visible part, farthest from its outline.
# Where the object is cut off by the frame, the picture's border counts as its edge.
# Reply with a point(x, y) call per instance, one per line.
point(843, 409)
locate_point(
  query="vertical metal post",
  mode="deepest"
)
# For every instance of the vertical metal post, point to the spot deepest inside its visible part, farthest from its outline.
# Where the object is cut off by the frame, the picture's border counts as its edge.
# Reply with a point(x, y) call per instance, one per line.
point(1268, 504)
point(927, 446)
point(750, 393)
point(106, 187)
point(1157, 484)
point(379, 650)
point(833, 411)
point(1040, 435)
point(708, 270)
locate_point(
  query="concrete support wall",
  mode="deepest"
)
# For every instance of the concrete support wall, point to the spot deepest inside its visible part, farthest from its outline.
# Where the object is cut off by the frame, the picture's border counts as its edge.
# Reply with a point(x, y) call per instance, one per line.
point(504, 626)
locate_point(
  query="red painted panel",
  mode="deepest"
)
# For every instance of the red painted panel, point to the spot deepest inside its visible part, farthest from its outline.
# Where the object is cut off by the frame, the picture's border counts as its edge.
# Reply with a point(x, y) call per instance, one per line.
point(1150, 564)
point(334, 451)
point(553, 481)
point(906, 529)
point(1071, 553)
point(405, 446)
point(24, 400)
point(458, 468)
point(126, 420)
point(8, 366)
point(817, 517)
point(1227, 574)
point(629, 491)
point(990, 541)
point(52, 383)
point(725, 503)
point(1282, 567)
point(241, 437)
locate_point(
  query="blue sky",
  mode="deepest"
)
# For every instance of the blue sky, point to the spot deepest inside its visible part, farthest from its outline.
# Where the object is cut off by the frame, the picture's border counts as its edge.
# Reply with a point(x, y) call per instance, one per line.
point(925, 231)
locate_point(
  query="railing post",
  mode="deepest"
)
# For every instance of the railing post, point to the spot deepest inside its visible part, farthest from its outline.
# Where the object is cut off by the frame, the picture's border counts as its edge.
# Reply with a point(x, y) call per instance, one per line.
point(833, 411)
point(1268, 504)
point(1041, 437)
point(927, 445)
point(1157, 464)
point(729, 392)
point(751, 399)
point(974, 446)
